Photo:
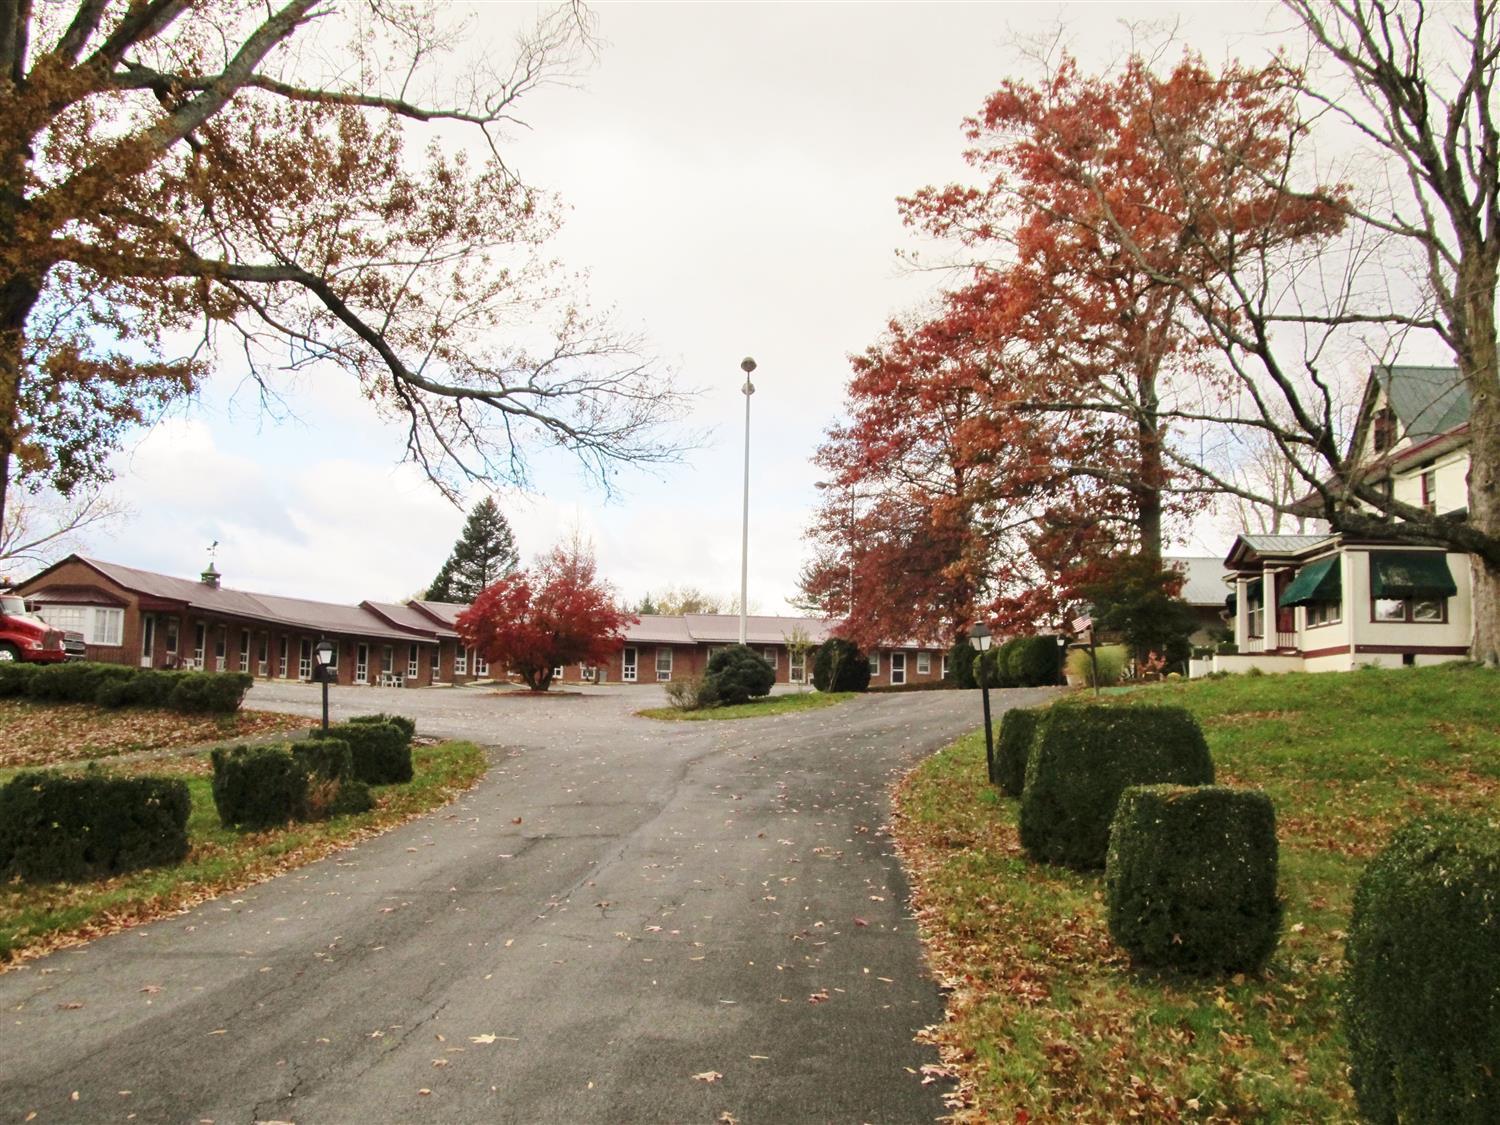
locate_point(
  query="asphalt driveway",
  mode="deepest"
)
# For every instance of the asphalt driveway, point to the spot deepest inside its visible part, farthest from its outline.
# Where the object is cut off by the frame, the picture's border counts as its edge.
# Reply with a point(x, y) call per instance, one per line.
point(627, 920)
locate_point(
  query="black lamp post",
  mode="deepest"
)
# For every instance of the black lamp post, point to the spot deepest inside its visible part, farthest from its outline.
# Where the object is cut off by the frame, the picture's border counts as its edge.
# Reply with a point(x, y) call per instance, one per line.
point(980, 637)
point(323, 659)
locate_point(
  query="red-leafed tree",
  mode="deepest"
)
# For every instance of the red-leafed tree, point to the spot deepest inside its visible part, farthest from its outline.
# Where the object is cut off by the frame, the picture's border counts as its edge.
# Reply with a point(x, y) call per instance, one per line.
point(557, 613)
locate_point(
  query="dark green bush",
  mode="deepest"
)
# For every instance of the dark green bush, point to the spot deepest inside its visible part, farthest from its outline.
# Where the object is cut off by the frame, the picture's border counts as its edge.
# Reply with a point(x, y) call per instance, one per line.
point(737, 675)
point(1012, 748)
point(961, 663)
point(840, 666)
point(216, 692)
point(15, 678)
point(989, 668)
point(1422, 976)
point(332, 787)
point(1033, 661)
point(55, 827)
point(258, 786)
point(139, 687)
point(1190, 881)
point(382, 751)
point(76, 681)
point(408, 726)
point(1084, 757)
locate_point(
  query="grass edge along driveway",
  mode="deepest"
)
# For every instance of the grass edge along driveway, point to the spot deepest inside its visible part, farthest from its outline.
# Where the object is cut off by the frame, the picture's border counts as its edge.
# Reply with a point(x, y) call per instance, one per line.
point(1047, 1021)
point(36, 919)
point(756, 709)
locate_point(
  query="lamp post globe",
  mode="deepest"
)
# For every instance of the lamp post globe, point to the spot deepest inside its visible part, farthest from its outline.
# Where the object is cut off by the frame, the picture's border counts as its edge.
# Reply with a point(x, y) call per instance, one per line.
point(323, 653)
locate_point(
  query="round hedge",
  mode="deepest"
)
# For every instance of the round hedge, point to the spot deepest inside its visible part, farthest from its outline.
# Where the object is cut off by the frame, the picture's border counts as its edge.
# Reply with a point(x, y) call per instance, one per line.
point(1190, 880)
point(1422, 976)
point(840, 666)
point(1013, 747)
point(737, 675)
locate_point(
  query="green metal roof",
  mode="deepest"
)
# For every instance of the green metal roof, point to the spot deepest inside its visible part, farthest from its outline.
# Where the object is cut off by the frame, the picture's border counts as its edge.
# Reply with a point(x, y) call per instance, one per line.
point(1428, 400)
point(1319, 581)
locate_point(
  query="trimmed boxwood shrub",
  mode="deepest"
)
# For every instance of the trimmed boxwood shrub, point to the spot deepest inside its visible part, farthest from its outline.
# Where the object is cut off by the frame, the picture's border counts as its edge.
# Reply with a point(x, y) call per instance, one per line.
point(258, 786)
point(1032, 661)
point(989, 668)
point(1422, 976)
point(961, 663)
point(1017, 729)
point(60, 827)
point(1190, 880)
point(737, 674)
point(840, 666)
point(1084, 757)
point(332, 787)
point(381, 751)
point(408, 726)
point(15, 677)
point(72, 682)
point(217, 692)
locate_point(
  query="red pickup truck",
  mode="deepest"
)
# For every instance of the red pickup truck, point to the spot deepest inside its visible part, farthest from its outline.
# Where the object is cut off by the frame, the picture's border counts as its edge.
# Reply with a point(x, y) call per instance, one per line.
point(25, 636)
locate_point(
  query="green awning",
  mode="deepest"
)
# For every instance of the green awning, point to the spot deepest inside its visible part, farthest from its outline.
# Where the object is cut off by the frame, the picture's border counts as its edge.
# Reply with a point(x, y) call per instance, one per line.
point(1410, 574)
point(1319, 581)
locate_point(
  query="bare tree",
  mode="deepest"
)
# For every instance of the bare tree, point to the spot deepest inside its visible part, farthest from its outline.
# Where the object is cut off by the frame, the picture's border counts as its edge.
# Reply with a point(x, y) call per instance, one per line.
point(242, 176)
point(40, 529)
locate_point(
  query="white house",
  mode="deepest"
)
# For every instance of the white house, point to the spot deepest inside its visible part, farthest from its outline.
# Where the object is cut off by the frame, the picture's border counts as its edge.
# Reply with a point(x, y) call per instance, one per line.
point(1330, 602)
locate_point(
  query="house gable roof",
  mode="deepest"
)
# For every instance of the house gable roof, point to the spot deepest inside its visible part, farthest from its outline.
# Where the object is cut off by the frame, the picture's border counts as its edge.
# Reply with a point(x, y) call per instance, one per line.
point(1428, 402)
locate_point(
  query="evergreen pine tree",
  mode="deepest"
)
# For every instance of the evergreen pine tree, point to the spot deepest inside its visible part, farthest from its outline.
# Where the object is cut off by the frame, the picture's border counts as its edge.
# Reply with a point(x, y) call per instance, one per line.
point(485, 551)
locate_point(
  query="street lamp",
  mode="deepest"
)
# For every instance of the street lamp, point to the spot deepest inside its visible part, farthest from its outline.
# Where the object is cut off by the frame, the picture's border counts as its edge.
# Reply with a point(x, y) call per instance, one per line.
point(747, 365)
point(323, 659)
point(980, 636)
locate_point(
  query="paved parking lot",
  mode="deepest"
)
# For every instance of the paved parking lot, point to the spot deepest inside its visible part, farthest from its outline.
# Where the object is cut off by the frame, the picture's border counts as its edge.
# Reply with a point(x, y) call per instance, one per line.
point(627, 920)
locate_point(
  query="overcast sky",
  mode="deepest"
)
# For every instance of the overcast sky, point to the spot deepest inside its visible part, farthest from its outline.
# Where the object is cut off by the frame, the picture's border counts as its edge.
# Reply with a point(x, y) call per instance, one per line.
point(730, 172)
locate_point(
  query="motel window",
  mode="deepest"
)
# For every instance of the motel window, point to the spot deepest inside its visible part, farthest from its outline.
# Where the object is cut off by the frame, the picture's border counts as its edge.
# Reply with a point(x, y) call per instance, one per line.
point(663, 664)
point(924, 663)
point(387, 659)
point(100, 625)
point(945, 665)
point(361, 664)
point(875, 663)
point(304, 660)
point(221, 646)
point(412, 670)
point(172, 627)
point(481, 665)
point(769, 652)
point(281, 657)
point(557, 673)
point(74, 617)
point(461, 662)
point(244, 650)
point(263, 664)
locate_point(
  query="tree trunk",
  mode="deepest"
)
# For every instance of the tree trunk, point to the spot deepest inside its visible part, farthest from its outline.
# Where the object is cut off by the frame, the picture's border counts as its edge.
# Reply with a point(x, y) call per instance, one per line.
point(17, 296)
point(1477, 288)
point(1152, 474)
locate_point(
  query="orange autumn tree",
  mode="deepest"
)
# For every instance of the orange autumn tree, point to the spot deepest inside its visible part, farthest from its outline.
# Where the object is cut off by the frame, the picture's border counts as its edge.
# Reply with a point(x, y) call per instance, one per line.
point(534, 621)
point(311, 185)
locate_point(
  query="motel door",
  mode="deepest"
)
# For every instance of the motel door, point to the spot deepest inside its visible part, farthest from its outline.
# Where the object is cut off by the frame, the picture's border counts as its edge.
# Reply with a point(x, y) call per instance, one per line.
point(148, 638)
point(898, 668)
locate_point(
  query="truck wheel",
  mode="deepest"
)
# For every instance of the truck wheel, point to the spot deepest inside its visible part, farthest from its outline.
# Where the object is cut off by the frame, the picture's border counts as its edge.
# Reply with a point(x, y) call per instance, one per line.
point(9, 653)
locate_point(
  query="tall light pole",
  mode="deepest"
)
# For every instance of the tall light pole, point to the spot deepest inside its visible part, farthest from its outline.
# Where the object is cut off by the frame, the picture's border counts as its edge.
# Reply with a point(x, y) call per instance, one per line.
point(747, 365)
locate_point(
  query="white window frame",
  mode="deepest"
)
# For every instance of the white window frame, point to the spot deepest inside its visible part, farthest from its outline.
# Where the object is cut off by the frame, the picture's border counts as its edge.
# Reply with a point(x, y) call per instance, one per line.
point(244, 650)
point(797, 667)
point(304, 659)
point(263, 663)
point(200, 644)
point(629, 663)
point(171, 628)
point(769, 655)
point(388, 659)
point(481, 665)
point(413, 666)
point(461, 661)
point(557, 672)
point(945, 666)
point(924, 663)
point(221, 648)
point(663, 674)
point(283, 651)
point(898, 669)
point(100, 625)
point(74, 617)
point(875, 663)
point(361, 663)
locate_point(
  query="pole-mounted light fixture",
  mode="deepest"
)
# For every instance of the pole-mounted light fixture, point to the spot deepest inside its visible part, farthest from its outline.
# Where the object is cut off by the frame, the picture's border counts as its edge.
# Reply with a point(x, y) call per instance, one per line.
point(747, 365)
point(980, 638)
point(323, 654)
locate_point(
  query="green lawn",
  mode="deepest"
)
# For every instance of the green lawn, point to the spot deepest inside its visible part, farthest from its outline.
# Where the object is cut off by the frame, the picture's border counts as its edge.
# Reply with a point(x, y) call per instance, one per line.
point(36, 918)
point(1048, 1018)
point(756, 708)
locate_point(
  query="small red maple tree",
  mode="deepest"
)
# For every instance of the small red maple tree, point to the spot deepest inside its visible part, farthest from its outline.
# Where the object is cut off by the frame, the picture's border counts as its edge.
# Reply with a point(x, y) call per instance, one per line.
point(535, 621)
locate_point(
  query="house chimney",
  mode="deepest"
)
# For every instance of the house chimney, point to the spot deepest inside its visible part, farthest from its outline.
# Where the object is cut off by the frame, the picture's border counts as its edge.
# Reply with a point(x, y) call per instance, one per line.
point(210, 577)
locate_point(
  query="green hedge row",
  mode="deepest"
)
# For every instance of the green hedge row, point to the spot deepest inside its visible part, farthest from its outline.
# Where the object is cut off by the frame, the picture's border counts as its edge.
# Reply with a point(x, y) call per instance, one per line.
point(1422, 976)
point(380, 746)
point(1083, 758)
point(115, 685)
point(838, 665)
point(60, 827)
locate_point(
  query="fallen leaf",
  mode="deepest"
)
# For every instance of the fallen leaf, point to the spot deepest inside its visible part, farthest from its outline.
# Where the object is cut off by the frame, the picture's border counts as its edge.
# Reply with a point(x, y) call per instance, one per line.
point(485, 1038)
point(708, 1076)
point(424, 1091)
point(818, 997)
